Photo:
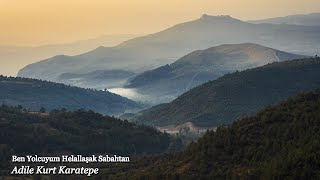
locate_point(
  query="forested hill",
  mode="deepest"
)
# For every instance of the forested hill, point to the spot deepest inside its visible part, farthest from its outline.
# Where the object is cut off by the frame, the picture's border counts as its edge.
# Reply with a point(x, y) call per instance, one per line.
point(236, 95)
point(280, 142)
point(34, 94)
point(79, 132)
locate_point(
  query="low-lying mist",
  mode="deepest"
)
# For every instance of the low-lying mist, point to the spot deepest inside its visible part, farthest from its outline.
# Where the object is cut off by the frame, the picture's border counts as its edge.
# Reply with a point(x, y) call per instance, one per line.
point(133, 94)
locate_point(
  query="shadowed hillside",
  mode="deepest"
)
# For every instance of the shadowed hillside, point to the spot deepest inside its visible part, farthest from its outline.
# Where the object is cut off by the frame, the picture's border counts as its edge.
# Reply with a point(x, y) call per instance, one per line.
point(34, 94)
point(280, 142)
point(80, 132)
point(236, 95)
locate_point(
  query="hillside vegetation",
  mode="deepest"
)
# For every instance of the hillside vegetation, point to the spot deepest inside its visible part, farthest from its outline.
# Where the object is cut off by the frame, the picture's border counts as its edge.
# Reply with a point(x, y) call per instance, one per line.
point(80, 132)
point(34, 94)
point(280, 142)
point(236, 95)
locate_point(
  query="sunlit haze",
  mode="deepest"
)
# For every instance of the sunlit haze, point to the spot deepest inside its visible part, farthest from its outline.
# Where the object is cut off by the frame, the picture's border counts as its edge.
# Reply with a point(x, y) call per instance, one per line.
point(38, 22)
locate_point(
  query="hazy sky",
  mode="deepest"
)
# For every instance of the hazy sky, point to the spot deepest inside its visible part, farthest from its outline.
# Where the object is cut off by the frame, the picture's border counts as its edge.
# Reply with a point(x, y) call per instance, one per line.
point(35, 22)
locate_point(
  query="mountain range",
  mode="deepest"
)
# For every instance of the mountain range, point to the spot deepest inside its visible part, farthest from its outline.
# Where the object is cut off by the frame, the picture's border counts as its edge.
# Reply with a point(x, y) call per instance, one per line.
point(155, 50)
point(251, 88)
point(235, 95)
point(34, 94)
point(312, 19)
point(13, 58)
point(201, 66)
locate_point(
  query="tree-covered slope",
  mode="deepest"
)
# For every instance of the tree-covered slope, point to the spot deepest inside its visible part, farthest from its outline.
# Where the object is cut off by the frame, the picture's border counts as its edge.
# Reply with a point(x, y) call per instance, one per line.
point(79, 132)
point(280, 142)
point(235, 95)
point(34, 94)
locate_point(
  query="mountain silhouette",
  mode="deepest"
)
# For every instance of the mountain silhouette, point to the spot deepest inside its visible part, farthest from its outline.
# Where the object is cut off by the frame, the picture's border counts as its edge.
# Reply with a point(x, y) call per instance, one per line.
point(164, 47)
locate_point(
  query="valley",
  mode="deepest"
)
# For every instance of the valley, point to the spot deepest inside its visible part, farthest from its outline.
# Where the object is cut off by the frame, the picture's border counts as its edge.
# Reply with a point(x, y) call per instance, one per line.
point(214, 97)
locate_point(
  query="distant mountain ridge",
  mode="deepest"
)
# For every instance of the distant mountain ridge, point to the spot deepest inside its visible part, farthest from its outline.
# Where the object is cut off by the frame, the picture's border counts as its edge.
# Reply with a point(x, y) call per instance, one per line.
point(236, 95)
point(201, 66)
point(20, 56)
point(34, 94)
point(312, 19)
point(151, 51)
